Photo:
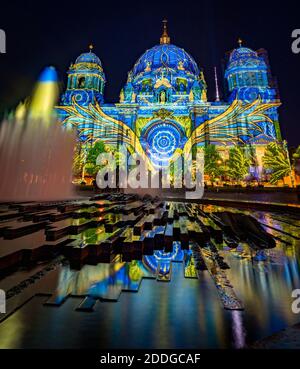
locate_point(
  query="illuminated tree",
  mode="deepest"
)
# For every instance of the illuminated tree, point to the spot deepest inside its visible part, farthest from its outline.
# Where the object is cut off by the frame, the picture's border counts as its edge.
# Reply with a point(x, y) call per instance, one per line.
point(296, 155)
point(212, 162)
point(276, 159)
point(90, 165)
point(238, 163)
point(119, 156)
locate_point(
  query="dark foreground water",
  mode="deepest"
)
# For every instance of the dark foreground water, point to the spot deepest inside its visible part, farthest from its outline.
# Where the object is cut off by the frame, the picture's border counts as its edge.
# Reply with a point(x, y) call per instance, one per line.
point(182, 313)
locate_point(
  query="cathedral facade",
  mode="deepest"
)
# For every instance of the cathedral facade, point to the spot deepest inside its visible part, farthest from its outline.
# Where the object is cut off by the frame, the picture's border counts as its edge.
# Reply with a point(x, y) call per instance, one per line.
point(163, 107)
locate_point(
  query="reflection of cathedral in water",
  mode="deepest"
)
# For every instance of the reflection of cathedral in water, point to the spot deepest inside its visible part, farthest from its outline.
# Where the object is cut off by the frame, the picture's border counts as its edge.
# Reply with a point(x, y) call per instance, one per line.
point(103, 279)
point(163, 104)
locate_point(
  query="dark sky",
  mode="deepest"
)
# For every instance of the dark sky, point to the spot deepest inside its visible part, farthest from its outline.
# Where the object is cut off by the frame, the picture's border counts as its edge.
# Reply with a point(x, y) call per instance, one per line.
point(55, 33)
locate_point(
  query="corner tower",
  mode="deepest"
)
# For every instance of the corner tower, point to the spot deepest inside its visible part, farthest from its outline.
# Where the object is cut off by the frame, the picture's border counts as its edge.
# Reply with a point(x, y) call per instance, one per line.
point(86, 80)
point(247, 76)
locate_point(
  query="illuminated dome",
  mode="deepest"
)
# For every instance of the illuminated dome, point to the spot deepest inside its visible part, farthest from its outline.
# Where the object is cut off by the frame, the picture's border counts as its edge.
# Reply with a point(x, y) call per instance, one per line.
point(165, 56)
point(89, 57)
point(242, 52)
point(244, 57)
point(164, 74)
point(166, 59)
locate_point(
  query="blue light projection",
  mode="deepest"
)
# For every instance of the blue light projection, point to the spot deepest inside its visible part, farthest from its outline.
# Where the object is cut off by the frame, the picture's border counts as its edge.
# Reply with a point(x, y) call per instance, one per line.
point(163, 105)
point(162, 140)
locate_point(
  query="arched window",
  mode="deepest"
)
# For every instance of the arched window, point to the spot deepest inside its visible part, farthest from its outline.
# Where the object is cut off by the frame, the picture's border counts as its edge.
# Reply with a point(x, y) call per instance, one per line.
point(81, 82)
point(162, 97)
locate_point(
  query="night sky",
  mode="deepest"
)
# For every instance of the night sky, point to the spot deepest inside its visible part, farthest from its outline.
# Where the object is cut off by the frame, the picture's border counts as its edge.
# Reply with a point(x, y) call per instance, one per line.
point(55, 33)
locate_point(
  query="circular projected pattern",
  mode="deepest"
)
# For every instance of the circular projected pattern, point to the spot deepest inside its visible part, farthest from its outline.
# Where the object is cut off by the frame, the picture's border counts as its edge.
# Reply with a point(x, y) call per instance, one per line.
point(250, 94)
point(162, 141)
point(82, 97)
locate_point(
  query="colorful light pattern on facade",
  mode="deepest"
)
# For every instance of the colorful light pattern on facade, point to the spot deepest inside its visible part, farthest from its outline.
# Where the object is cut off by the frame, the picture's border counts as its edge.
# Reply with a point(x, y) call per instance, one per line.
point(163, 106)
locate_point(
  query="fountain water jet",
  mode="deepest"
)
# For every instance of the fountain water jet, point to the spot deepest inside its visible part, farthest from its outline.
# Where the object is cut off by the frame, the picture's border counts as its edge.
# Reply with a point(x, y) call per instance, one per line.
point(36, 153)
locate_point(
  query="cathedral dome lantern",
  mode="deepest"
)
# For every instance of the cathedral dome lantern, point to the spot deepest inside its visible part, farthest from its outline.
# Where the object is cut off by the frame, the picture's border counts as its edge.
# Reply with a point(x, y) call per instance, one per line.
point(86, 80)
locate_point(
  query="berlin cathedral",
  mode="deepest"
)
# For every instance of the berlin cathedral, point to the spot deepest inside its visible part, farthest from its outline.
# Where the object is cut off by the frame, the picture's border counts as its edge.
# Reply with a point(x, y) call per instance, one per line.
point(163, 107)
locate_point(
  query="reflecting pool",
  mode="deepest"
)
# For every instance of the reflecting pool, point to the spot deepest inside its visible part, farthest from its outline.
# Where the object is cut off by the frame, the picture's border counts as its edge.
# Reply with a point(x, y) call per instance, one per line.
point(138, 307)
